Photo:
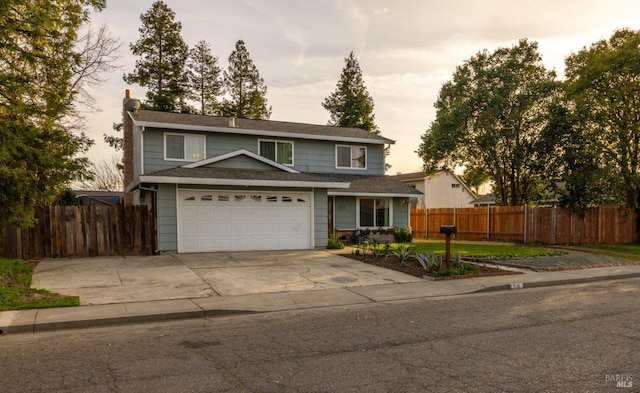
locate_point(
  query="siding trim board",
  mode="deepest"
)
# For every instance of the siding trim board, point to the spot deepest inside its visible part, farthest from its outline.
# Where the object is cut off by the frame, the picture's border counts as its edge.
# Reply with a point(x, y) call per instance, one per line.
point(240, 182)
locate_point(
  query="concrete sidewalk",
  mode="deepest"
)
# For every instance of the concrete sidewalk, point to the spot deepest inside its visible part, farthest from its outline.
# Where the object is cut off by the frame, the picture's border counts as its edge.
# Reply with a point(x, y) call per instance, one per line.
point(143, 289)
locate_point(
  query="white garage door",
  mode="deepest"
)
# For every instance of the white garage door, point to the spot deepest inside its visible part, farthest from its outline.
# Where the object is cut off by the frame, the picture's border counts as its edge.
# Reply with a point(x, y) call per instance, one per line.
point(236, 220)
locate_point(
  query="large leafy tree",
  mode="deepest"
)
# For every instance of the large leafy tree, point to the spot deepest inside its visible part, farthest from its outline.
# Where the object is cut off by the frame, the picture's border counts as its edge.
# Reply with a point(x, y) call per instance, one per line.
point(603, 87)
point(489, 118)
point(38, 63)
point(247, 93)
point(350, 105)
point(163, 54)
point(205, 79)
point(576, 175)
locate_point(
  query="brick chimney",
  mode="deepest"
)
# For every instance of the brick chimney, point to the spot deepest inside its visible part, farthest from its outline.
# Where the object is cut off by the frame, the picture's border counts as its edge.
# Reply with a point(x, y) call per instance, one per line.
point(127, 144)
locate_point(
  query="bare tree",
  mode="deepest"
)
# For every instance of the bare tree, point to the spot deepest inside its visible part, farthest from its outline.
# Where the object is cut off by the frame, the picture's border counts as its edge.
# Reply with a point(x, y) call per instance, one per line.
point(96, 54)
point(106, 175)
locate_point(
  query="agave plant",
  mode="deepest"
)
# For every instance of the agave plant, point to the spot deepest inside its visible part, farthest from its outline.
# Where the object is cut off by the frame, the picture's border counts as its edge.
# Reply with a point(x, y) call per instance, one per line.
point(403, 252)
point(429, 261)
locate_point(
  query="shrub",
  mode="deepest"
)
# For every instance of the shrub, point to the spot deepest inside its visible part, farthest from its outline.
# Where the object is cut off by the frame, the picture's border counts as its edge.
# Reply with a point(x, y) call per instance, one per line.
point(462, 269)
point(402, 235)
point(358, 235)
point(335, 244)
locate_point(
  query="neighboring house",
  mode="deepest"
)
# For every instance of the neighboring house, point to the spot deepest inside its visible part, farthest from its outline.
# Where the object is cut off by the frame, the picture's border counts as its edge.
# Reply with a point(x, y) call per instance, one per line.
point(99, 198)
point(484, 201)
point(442, 189)
point(218, 183)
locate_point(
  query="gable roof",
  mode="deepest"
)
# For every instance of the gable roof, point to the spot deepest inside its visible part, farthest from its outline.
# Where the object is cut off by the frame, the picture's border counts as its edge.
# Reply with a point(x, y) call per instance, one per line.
point(410, 176)
point(270, 128)
point(214, 176)
point(361, 185)
point(240, 152)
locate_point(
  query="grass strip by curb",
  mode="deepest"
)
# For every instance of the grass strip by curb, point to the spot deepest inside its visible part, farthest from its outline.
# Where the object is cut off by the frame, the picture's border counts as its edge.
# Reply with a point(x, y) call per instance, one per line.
point(16, 292)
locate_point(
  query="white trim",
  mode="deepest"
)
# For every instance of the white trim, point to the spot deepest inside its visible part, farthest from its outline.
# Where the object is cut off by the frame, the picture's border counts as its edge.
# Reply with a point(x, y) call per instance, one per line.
point(389, 200)
point(142, 150)
point(276, 141)
point(366, 157)
point(240, 182)
point(371, 194)
point(177, 207)
point(236, 153)
point(244, 131)
point(184, 135)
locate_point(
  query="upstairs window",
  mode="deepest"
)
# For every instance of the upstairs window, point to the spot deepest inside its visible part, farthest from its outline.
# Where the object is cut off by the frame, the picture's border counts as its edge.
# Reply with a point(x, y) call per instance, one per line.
point(351, 157)
point(278, 151)
point(184, 147)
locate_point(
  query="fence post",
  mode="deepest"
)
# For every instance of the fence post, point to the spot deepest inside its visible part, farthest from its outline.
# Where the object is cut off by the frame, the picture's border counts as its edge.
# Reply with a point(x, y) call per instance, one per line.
point(524, 235)
point(488, 222)
point(455, 218)
point(426, 223)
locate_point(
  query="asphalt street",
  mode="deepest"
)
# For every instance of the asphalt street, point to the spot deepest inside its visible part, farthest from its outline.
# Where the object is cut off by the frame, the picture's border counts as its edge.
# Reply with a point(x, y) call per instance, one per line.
point(573, 338)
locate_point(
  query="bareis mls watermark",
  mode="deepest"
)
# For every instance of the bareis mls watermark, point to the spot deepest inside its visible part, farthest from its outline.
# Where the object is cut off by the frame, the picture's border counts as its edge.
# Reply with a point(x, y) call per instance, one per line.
point(619, 380)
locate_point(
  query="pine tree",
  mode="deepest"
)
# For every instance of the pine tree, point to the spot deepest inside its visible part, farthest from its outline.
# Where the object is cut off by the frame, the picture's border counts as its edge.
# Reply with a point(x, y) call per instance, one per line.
point(350, 105)
point(205, 81)
point(244, 86)
point(163, 54)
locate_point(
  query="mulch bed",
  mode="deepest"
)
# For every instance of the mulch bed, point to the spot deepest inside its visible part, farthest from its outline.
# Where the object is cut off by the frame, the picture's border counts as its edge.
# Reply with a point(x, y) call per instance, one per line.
point(414, 268)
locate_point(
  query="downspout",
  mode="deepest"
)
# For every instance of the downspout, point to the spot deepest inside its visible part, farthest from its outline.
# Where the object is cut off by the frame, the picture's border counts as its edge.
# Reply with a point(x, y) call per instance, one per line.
point(142, 129)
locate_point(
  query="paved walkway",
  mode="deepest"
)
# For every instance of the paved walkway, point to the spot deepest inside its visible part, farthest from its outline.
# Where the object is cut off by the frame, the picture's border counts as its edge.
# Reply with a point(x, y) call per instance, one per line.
point(141, 289)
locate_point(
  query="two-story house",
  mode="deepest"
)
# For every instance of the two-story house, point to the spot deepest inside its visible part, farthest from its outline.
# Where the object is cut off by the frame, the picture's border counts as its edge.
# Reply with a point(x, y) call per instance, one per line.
point(224, 183)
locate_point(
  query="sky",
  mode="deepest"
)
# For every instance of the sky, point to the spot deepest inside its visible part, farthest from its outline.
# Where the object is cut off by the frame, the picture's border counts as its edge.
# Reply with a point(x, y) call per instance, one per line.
point(406, 49)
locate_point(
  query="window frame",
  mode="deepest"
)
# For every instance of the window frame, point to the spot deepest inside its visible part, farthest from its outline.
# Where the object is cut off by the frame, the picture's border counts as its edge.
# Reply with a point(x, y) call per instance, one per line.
point(276, 141)
point(184, 147)
point(351, 147)
point(375, 226)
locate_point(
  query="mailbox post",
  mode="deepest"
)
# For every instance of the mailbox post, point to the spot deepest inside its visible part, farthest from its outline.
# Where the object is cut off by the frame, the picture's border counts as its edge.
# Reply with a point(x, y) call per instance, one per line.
point(448, 230)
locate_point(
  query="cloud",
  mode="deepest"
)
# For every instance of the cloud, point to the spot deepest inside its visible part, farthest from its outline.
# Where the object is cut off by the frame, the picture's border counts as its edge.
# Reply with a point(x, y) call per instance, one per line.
point(406, 49)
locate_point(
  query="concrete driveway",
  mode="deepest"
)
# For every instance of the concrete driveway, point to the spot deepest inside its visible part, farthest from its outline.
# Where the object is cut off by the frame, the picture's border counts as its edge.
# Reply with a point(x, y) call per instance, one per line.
point(108, 280)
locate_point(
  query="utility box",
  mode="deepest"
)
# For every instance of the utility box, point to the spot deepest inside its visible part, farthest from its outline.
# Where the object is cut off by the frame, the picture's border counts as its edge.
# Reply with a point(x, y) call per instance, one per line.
point(448, 229)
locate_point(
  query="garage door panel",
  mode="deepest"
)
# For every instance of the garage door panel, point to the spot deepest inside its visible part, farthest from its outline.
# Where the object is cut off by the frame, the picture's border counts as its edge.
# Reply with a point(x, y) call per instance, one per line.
point(232, 220)
point(257, 229)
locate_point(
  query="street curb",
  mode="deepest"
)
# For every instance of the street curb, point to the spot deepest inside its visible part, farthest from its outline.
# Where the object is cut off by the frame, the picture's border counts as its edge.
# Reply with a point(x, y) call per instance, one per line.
point(46, 326)
point(39, 327)
point(516, 285)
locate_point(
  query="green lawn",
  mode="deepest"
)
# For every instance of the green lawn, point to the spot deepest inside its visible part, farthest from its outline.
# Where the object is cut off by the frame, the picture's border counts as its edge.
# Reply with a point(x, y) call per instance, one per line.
point(16, 292)
point(629, 248)
point(485, 250)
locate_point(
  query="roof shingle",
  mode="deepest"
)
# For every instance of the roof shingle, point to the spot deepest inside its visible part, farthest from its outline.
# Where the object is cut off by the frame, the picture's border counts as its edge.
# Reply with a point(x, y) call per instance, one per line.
point(249, 127)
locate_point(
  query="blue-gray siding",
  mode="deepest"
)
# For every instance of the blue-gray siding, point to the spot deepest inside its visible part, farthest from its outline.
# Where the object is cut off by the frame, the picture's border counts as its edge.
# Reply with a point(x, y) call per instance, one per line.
point(320, 218)
point(345, 212)
point(309, 155)
point(167, 222)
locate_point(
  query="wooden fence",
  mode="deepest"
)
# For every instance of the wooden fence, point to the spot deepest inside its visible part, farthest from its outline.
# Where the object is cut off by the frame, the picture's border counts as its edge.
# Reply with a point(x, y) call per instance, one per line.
point(81, 231)
point(550, 225)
